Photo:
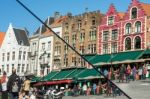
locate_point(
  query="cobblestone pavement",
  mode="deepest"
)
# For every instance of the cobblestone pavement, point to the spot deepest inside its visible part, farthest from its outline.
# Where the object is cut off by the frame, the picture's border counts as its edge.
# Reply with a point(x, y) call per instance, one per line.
point(135, 89)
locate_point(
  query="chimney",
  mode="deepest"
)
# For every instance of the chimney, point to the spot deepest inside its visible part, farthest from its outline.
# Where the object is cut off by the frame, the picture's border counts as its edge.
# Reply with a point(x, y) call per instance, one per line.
point(69, 14)
point(56, 15)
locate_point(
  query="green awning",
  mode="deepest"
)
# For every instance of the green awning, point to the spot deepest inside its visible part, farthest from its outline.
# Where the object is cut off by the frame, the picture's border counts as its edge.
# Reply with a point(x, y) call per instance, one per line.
point(35, 79)
point(126, 56)
point(121, 57)
point(62, 74)
point(75, 73)
point(98, 58)
point(88, 74)
point(146, 52)
point(50, 75)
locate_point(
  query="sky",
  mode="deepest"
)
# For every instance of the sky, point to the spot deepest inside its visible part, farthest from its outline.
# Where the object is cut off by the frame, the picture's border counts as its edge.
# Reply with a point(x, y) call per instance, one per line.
point(12, 12)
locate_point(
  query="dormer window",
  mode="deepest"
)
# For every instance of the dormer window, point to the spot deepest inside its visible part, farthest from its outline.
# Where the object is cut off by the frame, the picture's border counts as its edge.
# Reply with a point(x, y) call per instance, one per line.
point(110, 20)
point(134, 13)
point(79, 24)
point(43, 46)
point(21, 42)
point(93, 21)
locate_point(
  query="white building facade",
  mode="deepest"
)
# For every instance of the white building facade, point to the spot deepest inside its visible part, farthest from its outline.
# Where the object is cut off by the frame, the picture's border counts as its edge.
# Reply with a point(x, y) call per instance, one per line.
point(14, 51)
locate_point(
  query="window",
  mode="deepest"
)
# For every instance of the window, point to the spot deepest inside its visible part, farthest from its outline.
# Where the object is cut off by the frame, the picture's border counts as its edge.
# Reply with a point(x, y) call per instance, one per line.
point(3, 59)
point(8, 56)
point(92, 48)
point(79, 24)
point(33, 47)
point(105, 48)
point(66, 38)
point(21, 42)
point(110, 20)
point(114, 34)
point(128, 44)
point(74, 45)
point(24, 55)
point(12, 66)
point(23, 67)
point(114, 47)
point(74, 37)
point(82, 50)
point(20, 53)
point(66, 62)
point(57, 50)
point(128, 28)
point(66, 27)
point(134, 13)
point(43, 46)
point(2, 68)
point(93, 21)
point(82, 37)
point(74, 61)
point(66, 49)
point(93, 35)
point(18, 69)
point(57, 63)
point(105, 35)
point(137, 43)
point(138, 27)
point(13, 55)
point(49, 45)
point(7, 68)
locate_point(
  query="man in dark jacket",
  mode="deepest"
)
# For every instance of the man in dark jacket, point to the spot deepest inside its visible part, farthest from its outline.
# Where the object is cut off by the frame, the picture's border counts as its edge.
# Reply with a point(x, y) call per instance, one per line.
point(14, 85)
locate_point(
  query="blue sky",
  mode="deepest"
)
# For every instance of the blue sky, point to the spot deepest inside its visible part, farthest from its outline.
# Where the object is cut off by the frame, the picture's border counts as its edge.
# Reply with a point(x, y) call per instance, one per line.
point(12, 12)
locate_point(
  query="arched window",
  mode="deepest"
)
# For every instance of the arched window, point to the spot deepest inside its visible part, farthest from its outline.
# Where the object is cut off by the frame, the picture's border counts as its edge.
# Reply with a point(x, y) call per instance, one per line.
point(137, 43)
point(128, 28)
point(134, 13)
point(128, 44)
point(138, 27)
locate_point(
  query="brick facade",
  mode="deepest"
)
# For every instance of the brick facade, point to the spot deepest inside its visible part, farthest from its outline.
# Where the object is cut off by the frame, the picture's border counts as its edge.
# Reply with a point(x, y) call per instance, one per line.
point(132, 28)
point(81, 33)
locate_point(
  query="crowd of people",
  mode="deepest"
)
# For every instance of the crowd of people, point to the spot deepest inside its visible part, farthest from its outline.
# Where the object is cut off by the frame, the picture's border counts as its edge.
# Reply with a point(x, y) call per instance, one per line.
point(126, 73)
point(15, 88)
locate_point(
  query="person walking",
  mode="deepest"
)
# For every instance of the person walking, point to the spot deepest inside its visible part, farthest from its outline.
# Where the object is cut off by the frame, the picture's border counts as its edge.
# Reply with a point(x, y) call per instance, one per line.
point(13, 85)
point(134, 73)
point(122, 73)
point(84, 88)
point(26, 85)
point(140, 73)
point(94, 88)
point(144, 71)
point(128, 72)
point(4, 81)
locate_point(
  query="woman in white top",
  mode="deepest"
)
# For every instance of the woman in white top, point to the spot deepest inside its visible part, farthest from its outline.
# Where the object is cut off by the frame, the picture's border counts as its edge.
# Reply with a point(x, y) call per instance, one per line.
point(4, 81)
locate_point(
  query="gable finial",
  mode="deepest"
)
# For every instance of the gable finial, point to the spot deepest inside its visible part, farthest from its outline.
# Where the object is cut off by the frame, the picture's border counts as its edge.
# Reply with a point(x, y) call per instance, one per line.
point(135, 1)
point(10, 25)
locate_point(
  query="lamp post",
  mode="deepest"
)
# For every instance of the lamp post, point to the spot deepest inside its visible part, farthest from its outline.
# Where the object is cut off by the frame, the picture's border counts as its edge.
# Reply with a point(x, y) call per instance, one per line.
point(44, 64)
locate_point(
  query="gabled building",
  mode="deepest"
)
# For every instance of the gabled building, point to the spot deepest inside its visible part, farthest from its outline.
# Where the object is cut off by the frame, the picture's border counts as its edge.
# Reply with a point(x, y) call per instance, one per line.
point(57, 44)
point(126, 31)
point(41, 49)
point(45, 49)
point(109, 39)
point(14, 51)
point(135, 27)
point(80, 32)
